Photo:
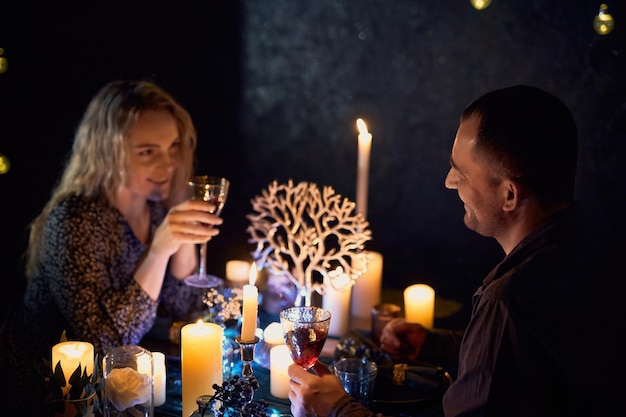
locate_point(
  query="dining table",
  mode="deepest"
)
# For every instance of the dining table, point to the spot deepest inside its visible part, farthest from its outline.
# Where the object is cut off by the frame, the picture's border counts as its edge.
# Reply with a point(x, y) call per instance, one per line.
point(386, 401)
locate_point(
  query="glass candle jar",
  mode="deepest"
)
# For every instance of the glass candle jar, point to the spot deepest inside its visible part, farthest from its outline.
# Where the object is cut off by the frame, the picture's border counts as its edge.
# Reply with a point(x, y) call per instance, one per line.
point(128, 382)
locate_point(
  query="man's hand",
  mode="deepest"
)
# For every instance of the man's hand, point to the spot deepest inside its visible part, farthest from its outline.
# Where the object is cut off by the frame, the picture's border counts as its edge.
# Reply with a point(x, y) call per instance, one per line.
point(403, 340)
point(313, 395)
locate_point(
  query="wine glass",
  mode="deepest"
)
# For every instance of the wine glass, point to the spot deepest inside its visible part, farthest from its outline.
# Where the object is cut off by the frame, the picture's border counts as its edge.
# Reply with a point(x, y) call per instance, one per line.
point(214, 190)
point(305, 329)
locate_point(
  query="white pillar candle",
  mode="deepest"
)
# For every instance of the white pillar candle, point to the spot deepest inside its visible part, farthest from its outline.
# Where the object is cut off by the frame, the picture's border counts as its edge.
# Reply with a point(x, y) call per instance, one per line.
point(250, 307)
point(201, 362)
point(160, 375)
point(237, 271)
point(419, 305)
point(366, 291)
point(71, 355)
point(363, 166)
point(145, 365)
point(336, 299)
point(273, 334)
point(280, 359)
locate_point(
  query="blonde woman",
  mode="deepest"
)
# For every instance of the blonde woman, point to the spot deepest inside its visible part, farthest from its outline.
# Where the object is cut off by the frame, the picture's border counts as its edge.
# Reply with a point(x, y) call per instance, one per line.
point(117, 236)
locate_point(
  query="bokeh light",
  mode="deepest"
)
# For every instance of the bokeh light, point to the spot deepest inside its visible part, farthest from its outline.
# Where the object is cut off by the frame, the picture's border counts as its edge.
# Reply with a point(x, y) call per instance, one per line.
point(480, 4)
point(4, 63)
point(5, 164)
point(603, 22)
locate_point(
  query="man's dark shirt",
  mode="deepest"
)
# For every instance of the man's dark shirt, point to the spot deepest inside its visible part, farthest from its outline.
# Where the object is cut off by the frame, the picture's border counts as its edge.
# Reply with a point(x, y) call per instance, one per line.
point(546, 336)
point(541, 340)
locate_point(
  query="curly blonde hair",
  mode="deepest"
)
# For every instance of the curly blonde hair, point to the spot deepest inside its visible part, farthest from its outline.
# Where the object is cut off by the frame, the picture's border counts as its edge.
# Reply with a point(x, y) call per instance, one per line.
point(97, 163)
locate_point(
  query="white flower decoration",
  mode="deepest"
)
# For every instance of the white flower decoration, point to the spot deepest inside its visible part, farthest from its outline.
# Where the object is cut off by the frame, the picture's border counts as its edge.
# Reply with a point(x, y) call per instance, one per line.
point(125, 388)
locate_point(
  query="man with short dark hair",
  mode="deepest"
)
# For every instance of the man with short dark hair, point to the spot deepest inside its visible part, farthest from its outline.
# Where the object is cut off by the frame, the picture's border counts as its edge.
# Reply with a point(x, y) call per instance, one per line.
point(526, 347)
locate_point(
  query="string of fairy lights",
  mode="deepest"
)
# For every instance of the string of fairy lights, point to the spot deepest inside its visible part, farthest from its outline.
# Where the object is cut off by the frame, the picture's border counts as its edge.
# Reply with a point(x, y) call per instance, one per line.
point(5, 164)
point(603, 24)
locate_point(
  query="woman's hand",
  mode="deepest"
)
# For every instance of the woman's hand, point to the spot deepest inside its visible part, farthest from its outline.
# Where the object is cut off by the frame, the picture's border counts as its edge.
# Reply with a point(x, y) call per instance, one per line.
point(184, 225)
point(403, 340)
point(189, 222)
point(313, 395)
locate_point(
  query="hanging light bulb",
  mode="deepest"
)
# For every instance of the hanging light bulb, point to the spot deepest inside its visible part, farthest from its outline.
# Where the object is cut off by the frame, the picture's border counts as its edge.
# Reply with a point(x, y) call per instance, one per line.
point(603, 22)
point(5, 164)
point(480, 4)
point(4, 63)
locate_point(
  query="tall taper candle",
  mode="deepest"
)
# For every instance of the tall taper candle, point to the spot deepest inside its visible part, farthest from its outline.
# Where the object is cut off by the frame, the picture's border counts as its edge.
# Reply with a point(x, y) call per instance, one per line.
point(201, 361)
point(363, 167)
point(250, 307)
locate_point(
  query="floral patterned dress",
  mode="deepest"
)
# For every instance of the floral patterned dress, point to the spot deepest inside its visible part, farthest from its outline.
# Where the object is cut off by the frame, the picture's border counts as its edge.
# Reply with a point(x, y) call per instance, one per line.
point(83, 284)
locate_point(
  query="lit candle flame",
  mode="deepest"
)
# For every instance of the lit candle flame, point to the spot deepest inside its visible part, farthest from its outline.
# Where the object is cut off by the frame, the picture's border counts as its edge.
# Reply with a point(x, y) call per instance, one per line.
point(252, 275)
point(360, 124)
point(75, 350)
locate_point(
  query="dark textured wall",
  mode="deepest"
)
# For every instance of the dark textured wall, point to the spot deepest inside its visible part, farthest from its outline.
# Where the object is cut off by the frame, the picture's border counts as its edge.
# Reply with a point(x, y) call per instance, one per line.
point(275, 87)
point(409, 68)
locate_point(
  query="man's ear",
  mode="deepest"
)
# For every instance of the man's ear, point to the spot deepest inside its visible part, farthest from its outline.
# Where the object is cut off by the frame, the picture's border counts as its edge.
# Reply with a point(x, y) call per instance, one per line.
point(512, 195)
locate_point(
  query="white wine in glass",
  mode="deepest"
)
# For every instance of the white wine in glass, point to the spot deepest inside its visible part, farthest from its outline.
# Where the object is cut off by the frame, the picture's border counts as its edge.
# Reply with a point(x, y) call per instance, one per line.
point(214, 190)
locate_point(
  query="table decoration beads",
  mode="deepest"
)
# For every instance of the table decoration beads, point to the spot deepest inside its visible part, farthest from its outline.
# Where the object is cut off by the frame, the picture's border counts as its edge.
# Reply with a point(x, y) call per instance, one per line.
point(232, 398)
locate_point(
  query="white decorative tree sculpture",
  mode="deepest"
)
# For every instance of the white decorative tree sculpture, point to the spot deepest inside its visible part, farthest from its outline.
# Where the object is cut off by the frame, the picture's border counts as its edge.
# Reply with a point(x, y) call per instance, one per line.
point(303, 233)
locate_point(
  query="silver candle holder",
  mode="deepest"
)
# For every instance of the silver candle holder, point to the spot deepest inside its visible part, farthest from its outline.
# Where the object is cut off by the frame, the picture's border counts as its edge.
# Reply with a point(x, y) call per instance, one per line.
point(247, 354)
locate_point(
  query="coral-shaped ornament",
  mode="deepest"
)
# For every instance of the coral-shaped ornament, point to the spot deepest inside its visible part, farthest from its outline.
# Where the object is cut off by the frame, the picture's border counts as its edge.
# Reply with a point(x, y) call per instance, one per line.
point(303, 232)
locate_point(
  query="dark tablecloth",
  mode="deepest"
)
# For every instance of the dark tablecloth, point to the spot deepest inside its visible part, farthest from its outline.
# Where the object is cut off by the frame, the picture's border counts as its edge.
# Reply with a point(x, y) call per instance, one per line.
point(410, 406)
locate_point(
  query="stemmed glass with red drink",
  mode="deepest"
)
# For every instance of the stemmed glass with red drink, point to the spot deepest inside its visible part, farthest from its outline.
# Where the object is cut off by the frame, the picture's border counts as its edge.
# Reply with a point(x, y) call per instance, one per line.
point(305, 329)
point(214, 190)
